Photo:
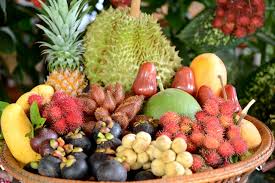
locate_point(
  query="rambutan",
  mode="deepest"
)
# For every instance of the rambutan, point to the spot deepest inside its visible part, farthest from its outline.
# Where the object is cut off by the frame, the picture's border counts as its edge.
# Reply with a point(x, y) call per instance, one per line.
point(240, 32)
point(211, 107)
point(228, 28)
point(239, 145)
point(180, 135)
point(226, 120)
point(211, 142)
point(169, 118)
point(171, 127)
point(211, 122)
point(226, 149)
point(257, 21)
point(230, 17)
point(74, 120)
point(198, 163)
point(243, 20)
point(227, 107)
point(201, 116)
point(217, 22)
point(220, 12)
point(60, 126)
point(233, 132)
point(160, 133)
point(54, 113)
point(220, 2)
point(191, 147)
point(197, 138)
point(212, 158)
point(36, 98)
point(185, 124)
point(196, 127)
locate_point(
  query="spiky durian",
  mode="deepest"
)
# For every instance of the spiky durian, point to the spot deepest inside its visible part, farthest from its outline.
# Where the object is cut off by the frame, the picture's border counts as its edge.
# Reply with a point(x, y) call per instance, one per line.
point(64, 50)
point(116, 44)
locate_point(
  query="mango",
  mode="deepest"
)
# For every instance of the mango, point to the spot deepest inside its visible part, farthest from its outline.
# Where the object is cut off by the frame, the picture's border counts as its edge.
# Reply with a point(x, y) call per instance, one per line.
point(46, 91)
point(250, 134)
point(172, 100)
point(206, 68)
point(15, 125)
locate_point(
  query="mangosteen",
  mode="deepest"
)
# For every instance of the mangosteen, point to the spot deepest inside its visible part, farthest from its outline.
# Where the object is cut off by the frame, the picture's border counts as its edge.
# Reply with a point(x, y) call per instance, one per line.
point(45, 148)
point(75, 169)
point(144, 126)
point(78, 139)
point(116, 130)
point(32, 167)
point(111, 170)
point(95, 161)
point(144, 175)
point(41, 135)
point(79, 155)
point(49, 166)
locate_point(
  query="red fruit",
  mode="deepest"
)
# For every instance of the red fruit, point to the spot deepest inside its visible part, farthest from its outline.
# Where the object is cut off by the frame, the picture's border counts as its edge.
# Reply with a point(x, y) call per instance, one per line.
point(171, 127)
point(240, 32)
point(220, 12)
point(184, 80)
point(227, 108)
point(198, 163)
point(169, 117)
point(226, 120)
point(60, 126)
point(226, 162)
point(160, 133)
point(197, 138)
point(233, 132)
point(230, 17)
point(55, 113)
point(74, 120)
point(97, 94)
point(257, 21)
point(211, 142)
point(59, 96)
point(181, 135)
point(191, 147)
point(222, 1)
point(251, 30)
point(239, 145)
point(201, 116)
point(204, 93)
point(197, 127)
point(185, 124)
point(228, 28)
point(120, 3)
point(217, 22)
point(231, 93)
point(146, 80)
point(243, 20)
point(212, 158)
point(36, 98)
point(226, 149)
point(211, 107)
point(37, 4)
point(211, 122)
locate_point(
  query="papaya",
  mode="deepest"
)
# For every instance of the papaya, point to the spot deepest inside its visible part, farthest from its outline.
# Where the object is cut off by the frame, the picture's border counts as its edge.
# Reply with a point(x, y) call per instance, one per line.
point(206, 68)
point(15, 125)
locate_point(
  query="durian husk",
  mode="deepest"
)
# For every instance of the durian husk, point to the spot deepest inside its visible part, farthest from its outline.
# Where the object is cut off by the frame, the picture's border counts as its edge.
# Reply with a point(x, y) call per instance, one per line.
point(116, 44)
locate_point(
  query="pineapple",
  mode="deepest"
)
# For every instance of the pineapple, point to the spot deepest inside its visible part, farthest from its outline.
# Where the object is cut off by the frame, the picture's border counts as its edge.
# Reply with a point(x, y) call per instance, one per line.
point(64, 50)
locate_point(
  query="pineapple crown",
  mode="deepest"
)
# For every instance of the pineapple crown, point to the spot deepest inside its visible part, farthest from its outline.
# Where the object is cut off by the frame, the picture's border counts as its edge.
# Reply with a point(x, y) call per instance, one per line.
point(64, 50)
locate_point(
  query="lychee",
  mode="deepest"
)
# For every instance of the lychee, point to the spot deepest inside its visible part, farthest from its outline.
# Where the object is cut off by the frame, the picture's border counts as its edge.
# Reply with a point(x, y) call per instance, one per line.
point(220, 12)
point(226, 149)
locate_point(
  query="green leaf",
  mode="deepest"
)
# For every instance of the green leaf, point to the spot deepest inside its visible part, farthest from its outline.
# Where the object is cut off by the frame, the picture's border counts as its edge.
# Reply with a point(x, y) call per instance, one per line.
point(3, 7)
point(234, 159)
point(7, 44)
point(35, 116)
point(3, 105)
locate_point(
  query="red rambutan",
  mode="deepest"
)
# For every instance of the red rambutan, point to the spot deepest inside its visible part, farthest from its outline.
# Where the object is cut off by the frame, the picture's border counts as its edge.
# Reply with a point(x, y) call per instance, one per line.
point(160, 133)
point(197, 138)
point(239, 145)
point(36, 98)
point(257, 21)
point(211, 107)
point(228, 28)
point(217, 22)
point(227, 107)
point(185, 124)
point(180, 135)
point(222, 2)
point(226, 149)
point(196, 127)
point(220, 12)
point(198, 163)
point(226, 121)
point(74, 120)
point(212, 158)
point(169, 117)
point(191, 147)
point(211, 122)
point(240, 32)
point(211, 142)
point(233, 132)
point(171, 127)
point(201, 116)
point(243, 20)
point(60, 126)
point(55, 113)
point(230, 17)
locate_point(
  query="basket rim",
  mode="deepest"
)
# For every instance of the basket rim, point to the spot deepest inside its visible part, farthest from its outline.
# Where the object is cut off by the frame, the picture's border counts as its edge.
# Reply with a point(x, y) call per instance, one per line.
point(262, 153)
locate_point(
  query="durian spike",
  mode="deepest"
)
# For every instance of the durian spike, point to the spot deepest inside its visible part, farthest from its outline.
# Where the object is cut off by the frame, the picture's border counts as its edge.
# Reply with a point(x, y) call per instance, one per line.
point(245, 110)
point(223, 89)
point(135, 8)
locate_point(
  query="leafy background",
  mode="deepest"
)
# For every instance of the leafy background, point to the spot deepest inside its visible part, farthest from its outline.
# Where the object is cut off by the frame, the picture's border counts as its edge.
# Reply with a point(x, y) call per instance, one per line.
point(249, 64)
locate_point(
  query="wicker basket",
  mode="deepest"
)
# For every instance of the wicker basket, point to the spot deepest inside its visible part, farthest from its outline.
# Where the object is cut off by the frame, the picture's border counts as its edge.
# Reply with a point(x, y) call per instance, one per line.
point(238, 172)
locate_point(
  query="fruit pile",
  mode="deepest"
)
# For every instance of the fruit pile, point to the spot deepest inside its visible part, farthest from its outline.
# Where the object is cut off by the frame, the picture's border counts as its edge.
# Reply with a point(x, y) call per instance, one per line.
point(239, 17)
point(132, 130)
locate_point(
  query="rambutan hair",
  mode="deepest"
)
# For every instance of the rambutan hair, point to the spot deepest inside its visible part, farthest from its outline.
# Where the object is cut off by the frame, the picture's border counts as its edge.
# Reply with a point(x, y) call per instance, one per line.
point(191, 147)
point(226, 120)
point(162, 132)
point(36, 98)
point(198, 163)
point(170, 117)
point(211, 142)
point(201, 116)
point(185, 124)
point(212, 158)
point(227, 108)
point(197, 138)
point(239, 145)
point(180, 135)
point(233, 132)
point(171, 127)
point(60, 126)
point(211, 107)
point(226, 149)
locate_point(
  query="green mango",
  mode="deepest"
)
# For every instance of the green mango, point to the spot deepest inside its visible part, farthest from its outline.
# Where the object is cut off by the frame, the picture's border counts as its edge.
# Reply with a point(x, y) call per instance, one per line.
point(172, 100)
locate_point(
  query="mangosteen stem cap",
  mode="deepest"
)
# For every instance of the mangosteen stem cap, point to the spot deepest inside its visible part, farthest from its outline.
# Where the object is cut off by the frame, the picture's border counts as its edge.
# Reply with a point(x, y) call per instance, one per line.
point(135, 8)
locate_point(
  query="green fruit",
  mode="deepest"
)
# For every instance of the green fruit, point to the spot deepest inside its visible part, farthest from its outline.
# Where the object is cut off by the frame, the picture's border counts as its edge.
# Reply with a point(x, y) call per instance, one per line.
point(172, 100)
point(116, 44)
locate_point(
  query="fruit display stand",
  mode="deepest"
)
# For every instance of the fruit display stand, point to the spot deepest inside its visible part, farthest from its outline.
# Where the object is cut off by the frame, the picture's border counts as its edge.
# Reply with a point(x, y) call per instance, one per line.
point(237, 172)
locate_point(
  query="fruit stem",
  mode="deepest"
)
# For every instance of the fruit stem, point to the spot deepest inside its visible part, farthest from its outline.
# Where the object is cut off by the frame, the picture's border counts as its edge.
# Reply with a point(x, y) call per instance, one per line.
point(245, 110)
point(223, 89)
point(135, 8)
point(160, 83)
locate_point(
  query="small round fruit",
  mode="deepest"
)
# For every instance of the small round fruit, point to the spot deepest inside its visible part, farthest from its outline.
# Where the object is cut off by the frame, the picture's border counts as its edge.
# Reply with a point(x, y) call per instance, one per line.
point(173, 169)
point(144, 126)
point(116, 130)
point(79, 155)
point(140, 145)
point(150, 152)
point(45, 148)
point(185, 159)
point(144, 175)
point(250, 134)
point(82, 142)
point(163, 143)
point(157, 153)
point(49, 166)
point(127, 140)
point(179, 145)
point(111, 170)
point(136, 166)
point(145, 136)
point(130, 155)
point(78, 170)
point(147, 166)
point(168, 156)
point(32, 167)
point(120, 149)
point(142, 158)
point(95, 161)
point(188, 171)
point(158, 168)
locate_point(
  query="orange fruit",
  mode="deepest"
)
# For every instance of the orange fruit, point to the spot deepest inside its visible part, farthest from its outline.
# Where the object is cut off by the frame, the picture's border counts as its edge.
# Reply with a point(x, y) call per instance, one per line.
point(206, 68)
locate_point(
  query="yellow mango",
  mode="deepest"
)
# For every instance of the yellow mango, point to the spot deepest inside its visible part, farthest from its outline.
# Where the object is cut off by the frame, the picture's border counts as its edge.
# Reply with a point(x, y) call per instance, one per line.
point(23, 101)
point(44, 90)
point(15, 125)
point(250, 134)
